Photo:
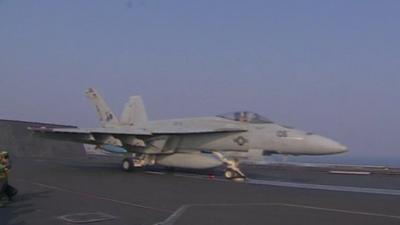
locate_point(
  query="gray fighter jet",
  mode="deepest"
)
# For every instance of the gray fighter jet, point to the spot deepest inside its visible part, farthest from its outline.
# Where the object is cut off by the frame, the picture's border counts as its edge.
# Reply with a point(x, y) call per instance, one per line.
point(196, 143)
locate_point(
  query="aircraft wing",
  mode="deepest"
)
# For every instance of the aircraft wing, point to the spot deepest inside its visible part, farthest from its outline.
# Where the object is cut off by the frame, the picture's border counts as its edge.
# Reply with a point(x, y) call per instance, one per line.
point(111, 131)
point(113, 136)
point(96, 136)
point(197, 131)
point(133, 132)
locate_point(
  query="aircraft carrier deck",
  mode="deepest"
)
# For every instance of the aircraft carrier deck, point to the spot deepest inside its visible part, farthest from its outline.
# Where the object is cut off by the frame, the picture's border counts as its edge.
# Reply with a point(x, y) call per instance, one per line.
point(60, 191)
point(77, 189)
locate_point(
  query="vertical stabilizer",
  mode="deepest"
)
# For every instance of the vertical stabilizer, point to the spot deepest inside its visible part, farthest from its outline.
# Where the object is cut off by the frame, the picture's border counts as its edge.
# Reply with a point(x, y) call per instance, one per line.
point(107, 117)
point(134, 113)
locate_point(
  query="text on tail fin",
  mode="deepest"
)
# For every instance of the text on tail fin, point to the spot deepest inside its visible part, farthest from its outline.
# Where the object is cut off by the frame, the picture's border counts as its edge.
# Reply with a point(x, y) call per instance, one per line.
point(107, 117)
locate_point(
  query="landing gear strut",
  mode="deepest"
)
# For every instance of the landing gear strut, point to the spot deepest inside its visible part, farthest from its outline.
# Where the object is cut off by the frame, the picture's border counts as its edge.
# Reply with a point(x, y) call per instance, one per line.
point(232, 170)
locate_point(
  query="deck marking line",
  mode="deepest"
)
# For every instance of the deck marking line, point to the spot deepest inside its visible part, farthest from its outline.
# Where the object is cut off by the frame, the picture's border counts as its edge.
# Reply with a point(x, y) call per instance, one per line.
point(340, 210)
point(326, 187)
point(181, 210)
point(97, 197)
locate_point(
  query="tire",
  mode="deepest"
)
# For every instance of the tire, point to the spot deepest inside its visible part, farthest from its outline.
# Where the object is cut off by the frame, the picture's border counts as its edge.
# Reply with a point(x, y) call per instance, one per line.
point(229, 174)
point(127, 165)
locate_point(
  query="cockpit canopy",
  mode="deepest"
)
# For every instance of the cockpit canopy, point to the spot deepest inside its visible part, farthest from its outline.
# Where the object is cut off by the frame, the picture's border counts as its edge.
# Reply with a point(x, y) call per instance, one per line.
point(245, 116)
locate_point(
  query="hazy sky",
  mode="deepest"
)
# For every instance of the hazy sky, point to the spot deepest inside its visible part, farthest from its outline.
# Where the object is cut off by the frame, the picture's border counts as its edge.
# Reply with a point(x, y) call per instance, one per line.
point(330, 67)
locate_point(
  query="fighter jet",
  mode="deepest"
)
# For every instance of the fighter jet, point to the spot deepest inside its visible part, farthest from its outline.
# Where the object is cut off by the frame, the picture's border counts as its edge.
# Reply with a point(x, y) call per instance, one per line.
point(195, 143)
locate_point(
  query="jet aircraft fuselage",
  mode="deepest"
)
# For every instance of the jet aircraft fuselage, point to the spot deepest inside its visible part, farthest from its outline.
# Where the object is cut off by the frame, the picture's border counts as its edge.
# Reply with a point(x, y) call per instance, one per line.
point(269, 137)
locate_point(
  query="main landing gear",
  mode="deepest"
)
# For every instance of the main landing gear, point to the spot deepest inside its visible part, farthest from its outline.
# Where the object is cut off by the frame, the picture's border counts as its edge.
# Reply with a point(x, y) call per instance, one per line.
point(231, 174)
point(137, 161)
point(127, 164)
point(232, 170)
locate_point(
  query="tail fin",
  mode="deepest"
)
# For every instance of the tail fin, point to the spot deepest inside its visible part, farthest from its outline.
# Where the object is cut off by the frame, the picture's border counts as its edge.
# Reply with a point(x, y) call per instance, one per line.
point(134, 113)
point(107, 117)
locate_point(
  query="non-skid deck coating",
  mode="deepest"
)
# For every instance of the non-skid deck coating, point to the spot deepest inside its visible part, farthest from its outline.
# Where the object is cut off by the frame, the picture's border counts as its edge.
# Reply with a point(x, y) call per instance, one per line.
point(53, 189)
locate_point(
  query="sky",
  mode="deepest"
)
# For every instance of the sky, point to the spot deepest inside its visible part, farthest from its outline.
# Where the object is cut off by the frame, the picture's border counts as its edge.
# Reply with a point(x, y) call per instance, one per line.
point(328, 67)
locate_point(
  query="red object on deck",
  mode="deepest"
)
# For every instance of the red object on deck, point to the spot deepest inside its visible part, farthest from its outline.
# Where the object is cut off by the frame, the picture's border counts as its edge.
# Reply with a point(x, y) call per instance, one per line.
point(211, 176)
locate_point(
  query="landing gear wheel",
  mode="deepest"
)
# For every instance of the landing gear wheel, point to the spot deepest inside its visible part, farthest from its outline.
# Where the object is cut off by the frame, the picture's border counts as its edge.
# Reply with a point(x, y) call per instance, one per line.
point(127, 164)
point(230, 174)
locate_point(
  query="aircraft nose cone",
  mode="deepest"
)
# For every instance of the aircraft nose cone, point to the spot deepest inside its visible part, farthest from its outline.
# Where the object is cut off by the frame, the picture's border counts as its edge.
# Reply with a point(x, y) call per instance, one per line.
point(327, 146)
point(336, 148)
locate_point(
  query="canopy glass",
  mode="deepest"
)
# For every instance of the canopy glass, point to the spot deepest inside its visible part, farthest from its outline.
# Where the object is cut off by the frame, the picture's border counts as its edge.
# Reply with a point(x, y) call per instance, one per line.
point(245, 117)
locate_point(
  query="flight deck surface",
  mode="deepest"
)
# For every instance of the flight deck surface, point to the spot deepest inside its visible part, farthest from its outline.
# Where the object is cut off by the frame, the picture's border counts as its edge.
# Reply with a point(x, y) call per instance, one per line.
point(87, 190)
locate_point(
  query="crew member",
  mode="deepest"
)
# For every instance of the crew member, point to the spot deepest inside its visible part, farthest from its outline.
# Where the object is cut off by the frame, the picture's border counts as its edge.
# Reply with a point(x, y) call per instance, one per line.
point(9, 190)
point(3, 179)
point(6, 159)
